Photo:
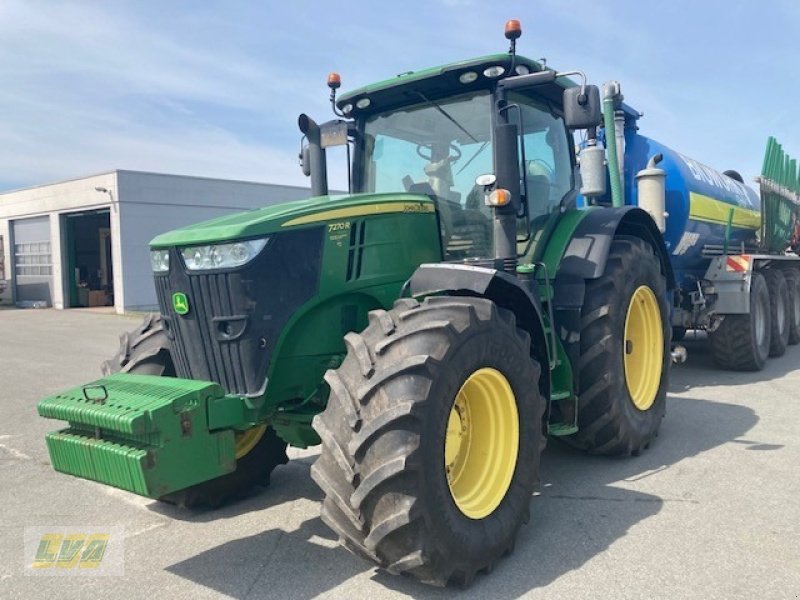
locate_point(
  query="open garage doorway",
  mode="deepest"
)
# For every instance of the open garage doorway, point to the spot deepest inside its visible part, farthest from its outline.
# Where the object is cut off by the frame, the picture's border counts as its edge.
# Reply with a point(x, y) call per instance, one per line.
point(89, 268)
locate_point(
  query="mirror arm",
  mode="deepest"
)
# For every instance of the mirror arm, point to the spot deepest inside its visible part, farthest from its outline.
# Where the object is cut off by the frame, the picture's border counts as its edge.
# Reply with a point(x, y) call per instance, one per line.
point(582, 98)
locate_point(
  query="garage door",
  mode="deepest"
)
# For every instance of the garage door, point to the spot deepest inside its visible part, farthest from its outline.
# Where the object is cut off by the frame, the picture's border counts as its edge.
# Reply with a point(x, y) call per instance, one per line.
point(33, 264)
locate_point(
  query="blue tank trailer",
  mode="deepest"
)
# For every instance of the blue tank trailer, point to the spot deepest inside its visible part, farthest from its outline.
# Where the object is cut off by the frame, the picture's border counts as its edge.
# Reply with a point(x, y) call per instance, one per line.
point(733, 250)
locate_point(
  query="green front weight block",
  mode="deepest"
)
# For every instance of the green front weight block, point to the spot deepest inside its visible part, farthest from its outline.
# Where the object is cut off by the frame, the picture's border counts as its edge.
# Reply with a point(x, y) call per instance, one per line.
point(144, 434)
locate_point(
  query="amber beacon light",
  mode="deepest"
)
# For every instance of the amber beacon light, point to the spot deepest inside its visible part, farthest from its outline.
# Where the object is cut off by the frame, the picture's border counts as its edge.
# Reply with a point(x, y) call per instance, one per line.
point(513, 29)
point(334, 80)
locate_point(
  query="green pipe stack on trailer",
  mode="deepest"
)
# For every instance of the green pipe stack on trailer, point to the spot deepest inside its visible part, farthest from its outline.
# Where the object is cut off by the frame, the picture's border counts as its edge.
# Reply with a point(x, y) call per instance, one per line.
point(780, 199)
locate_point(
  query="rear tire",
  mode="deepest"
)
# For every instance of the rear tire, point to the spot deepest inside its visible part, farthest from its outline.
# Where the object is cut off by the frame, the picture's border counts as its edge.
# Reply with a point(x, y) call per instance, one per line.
point(611, 419)
point(793, 285)
point(146, 351)
point(742, 342)
point(779, 311)
point(387, 429)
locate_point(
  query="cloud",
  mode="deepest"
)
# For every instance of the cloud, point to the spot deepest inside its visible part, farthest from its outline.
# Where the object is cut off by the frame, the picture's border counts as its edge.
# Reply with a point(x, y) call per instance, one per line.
point(214, 87)
point(89, 90)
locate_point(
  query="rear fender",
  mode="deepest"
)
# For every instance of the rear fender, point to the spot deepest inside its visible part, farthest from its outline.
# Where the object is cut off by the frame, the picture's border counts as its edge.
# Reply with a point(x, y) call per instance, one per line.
point(585, 259)
point(587, 252)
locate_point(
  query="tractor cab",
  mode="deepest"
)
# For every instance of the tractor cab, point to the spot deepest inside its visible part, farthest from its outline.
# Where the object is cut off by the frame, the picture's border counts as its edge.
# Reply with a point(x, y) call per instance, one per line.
point(445, 149)
point(485, 138)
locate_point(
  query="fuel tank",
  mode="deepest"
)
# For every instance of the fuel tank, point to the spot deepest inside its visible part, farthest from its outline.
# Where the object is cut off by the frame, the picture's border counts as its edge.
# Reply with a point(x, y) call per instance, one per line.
point(700, 201)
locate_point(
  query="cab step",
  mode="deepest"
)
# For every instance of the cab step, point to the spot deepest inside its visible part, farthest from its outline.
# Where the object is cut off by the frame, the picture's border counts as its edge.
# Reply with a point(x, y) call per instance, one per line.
point(561, 429)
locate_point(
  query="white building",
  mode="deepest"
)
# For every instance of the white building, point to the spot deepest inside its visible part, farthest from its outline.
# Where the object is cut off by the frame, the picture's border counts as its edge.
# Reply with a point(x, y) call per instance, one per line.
point(84, 242)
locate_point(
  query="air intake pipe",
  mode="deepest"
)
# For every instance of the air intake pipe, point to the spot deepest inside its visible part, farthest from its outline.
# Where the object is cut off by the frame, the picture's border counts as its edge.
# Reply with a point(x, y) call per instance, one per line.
point(652, 195)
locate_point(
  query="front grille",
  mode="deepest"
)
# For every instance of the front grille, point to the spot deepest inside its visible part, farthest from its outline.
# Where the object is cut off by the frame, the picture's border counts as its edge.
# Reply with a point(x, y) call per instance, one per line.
point(210, 295)
point(235, 317)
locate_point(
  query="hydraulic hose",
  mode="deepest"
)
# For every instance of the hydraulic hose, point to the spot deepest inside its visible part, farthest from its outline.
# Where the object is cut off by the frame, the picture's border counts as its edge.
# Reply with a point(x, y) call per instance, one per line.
point(610, 91)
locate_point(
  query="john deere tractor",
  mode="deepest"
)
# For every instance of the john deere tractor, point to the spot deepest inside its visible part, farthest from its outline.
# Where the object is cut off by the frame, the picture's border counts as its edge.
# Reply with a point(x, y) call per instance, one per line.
point(430, 329)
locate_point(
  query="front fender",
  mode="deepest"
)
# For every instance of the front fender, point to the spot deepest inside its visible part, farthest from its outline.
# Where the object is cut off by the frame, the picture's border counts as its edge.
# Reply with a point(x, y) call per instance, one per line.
point(501, 288)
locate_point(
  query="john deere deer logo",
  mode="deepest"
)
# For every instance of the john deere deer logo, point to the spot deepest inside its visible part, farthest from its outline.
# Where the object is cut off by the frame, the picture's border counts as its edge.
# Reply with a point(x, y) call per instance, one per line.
point(180, 303)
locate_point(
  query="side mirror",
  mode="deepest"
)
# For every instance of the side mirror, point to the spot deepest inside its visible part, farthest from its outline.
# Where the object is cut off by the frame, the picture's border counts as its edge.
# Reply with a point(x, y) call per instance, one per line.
point(582, 108)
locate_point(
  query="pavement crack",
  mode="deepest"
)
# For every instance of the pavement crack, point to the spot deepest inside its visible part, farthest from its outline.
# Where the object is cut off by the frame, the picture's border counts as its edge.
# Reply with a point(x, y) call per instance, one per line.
point(147, 528)
point(270, 557)
point(646, 499)
point(15, 453)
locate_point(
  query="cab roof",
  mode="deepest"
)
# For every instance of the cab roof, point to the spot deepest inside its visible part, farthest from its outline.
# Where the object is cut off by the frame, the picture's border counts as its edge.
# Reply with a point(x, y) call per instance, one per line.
point(438, 81)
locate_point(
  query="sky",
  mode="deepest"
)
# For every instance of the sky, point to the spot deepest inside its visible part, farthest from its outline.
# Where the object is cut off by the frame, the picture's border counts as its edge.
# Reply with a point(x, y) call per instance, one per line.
point(213, 88)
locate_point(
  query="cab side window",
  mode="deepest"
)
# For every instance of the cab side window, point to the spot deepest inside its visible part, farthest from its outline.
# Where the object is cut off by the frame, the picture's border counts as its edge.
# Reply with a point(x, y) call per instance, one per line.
point(548, 168)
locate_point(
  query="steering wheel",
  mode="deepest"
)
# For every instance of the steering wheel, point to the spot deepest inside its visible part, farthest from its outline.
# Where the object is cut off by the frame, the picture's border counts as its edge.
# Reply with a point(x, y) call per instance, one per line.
point(453, 157)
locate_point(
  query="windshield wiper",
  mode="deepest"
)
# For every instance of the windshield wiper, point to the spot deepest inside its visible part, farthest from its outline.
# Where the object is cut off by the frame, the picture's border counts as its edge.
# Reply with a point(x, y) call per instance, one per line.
point(446, 114)
point(473, 157)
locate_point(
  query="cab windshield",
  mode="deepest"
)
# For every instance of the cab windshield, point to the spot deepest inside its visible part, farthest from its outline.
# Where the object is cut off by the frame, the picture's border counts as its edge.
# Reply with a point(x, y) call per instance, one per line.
point(437, 149)
point(440, 148)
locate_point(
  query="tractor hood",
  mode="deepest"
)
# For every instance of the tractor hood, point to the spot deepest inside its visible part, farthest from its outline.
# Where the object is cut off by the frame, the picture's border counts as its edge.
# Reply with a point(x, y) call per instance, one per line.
point(299, 213)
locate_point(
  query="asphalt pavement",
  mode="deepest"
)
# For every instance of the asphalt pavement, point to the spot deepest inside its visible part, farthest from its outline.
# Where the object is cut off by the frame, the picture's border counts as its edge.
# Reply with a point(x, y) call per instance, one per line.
point(712, 510)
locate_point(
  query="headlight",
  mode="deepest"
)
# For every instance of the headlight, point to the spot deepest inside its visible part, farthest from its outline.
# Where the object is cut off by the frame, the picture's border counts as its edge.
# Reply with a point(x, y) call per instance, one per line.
point(222, 256)
point(159, 259)
point(494, 72)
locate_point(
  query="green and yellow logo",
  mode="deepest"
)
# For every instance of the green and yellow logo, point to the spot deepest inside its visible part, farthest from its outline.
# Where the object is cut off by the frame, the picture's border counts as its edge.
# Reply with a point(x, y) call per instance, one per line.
point(70, 551)
point(180, 303)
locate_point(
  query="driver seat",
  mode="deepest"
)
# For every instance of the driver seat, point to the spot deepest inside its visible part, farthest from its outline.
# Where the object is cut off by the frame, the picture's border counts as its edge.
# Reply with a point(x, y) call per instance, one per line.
point(539, 187)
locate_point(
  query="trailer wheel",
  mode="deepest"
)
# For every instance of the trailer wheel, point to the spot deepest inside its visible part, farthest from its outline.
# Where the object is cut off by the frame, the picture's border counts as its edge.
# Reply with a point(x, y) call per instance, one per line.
point(625, 359)
point(779, 311)
point(146, 351)
point(793, 285)
point(431, 438)
point(742, 342)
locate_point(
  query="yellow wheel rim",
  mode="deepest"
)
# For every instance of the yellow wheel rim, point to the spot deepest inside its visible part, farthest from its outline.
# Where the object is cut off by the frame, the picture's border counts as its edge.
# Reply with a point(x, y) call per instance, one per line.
point(644, 348)
point(246, 440)
point(482, 443)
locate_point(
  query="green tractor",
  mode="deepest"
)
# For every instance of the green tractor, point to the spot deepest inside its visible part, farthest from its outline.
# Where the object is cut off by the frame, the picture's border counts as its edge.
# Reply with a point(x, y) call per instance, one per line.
point(430, 329)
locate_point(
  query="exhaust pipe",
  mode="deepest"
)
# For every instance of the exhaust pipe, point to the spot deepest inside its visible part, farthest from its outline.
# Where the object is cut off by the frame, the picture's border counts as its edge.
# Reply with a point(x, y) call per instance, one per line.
point(318, 167)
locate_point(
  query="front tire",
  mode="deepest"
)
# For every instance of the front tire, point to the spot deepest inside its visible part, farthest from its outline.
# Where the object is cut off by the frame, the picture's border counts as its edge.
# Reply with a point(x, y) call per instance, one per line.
point(146, 351)
point(401, 488)
point(625, 353)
